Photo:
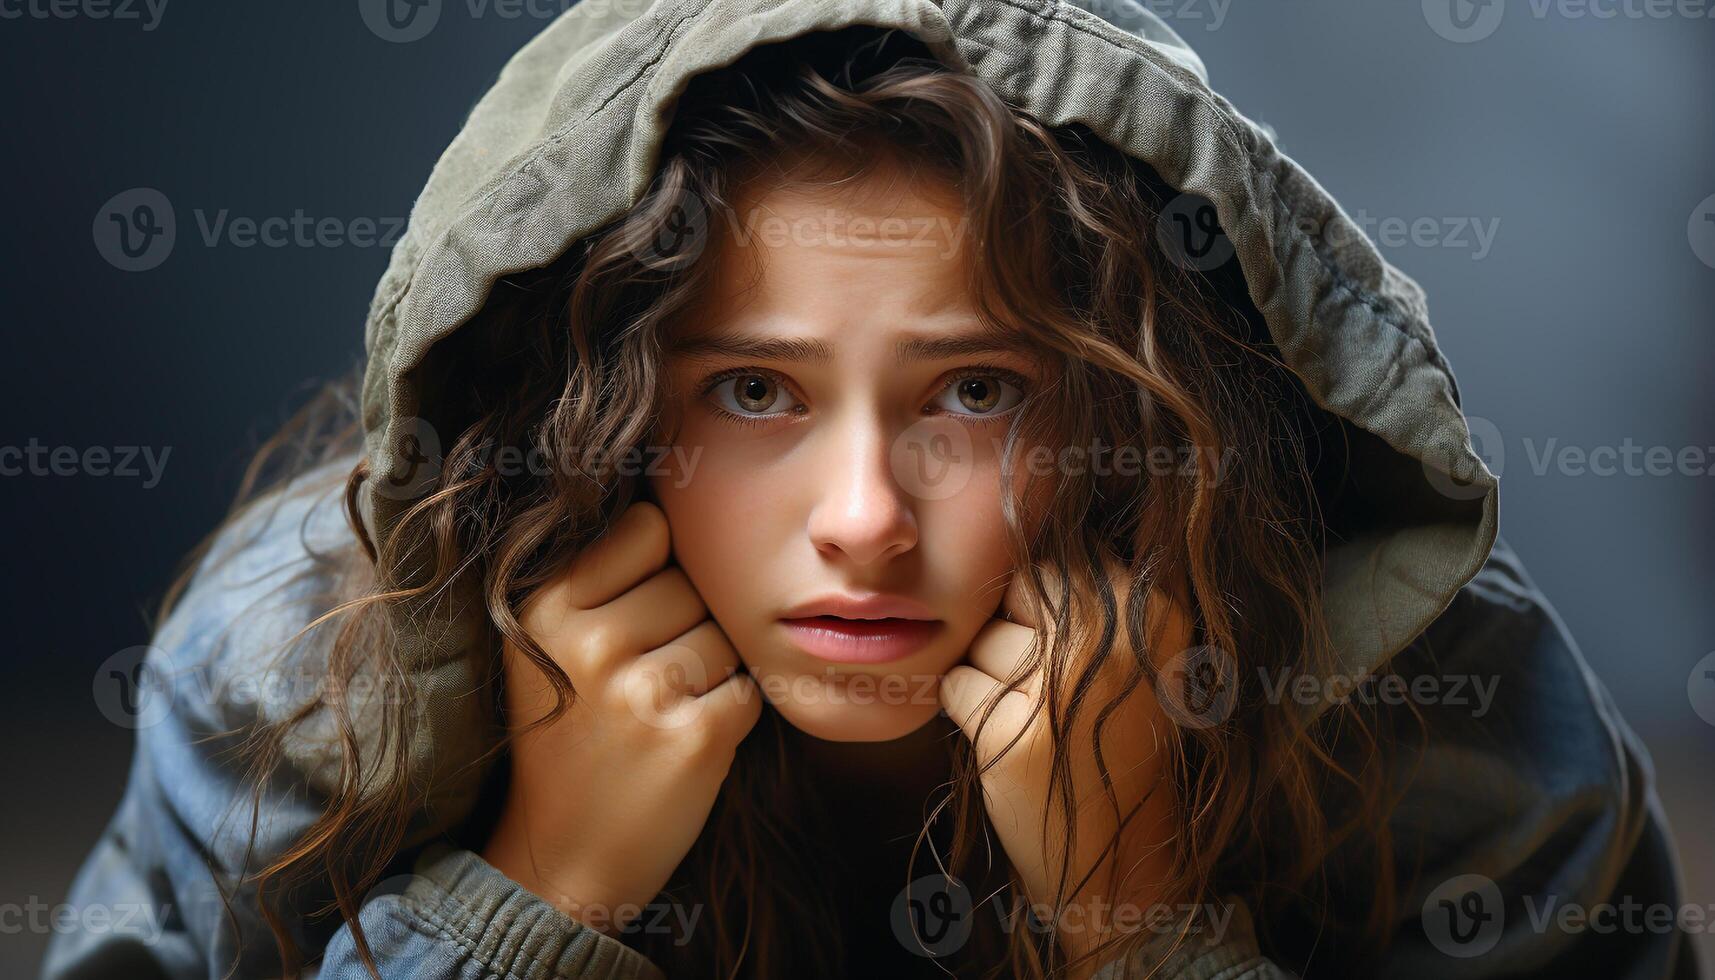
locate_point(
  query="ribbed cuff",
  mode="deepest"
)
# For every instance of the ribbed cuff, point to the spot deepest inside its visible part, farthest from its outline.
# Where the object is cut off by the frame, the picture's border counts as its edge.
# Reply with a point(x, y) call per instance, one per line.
point(1220, 949)
point(511, 930)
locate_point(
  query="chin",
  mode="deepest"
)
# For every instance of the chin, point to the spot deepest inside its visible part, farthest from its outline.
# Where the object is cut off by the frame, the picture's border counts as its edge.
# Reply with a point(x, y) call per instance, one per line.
point(833, 709)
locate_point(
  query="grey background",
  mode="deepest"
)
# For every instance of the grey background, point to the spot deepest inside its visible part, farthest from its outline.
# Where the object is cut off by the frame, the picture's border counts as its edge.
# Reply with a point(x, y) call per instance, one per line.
point(1583, 142)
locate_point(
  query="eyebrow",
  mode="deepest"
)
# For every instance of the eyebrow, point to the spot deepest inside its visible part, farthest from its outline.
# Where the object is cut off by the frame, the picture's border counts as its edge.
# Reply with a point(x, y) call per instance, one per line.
point(804, 349)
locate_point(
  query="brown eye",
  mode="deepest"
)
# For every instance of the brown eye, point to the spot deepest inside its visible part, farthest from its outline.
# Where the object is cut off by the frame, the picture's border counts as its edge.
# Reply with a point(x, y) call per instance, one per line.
point(757, 395)
point(979, 394)
point(984, 395)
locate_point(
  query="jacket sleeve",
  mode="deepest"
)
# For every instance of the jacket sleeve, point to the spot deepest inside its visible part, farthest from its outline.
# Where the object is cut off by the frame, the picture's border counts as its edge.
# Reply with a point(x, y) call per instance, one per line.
point(455, 917)
point(1529, 840)
point(181, 832)
point(1224, 947)
point(168, 874)
point(1531, 797)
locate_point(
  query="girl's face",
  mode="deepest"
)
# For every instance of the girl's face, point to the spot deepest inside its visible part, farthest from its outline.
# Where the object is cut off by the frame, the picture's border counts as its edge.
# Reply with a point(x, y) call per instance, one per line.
point(839, 408)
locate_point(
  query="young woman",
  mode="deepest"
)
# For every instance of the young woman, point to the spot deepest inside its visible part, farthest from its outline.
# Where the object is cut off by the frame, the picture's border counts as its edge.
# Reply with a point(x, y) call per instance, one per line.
point(870, 489)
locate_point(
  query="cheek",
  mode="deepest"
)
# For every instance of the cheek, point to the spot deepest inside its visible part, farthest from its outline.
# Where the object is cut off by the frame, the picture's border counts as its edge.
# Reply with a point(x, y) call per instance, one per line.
point(966, 545)
point(727, 559)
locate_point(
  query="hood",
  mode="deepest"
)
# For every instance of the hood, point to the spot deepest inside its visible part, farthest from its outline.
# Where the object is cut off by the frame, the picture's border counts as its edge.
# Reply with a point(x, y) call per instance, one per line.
point(567, 140)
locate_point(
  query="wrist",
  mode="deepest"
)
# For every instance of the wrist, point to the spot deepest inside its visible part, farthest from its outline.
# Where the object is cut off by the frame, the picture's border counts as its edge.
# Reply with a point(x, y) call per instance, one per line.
point(547, 876)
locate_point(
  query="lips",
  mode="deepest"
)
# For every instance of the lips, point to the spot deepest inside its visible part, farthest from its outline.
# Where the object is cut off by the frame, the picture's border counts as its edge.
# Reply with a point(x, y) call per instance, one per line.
point(873, 605)
point(860, 641)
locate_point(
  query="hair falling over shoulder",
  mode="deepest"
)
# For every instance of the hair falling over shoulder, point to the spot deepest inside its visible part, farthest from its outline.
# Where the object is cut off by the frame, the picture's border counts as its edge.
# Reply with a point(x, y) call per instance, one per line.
point(1146, 353)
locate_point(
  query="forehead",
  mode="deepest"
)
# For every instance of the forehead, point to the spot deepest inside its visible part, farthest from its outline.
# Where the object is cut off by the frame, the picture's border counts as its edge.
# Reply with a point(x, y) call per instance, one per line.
point(887, 247)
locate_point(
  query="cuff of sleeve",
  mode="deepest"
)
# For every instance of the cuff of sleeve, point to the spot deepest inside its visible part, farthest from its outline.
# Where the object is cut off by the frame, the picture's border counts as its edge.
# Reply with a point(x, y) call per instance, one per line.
point(511, 930)
point(1221, 946)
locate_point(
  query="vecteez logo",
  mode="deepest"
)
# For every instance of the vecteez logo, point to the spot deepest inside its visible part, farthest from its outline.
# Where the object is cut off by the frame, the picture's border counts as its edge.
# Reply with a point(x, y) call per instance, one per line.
point(136, 230)
point(1464, 21)
point(403, 21)
point(400, 21)
point(1701, 231)
point(148, 13)
point(1463, 917)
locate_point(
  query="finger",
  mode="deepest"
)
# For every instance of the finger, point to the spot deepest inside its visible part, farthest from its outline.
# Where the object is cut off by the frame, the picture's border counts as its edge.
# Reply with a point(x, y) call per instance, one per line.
point(635, 547)
point(1004, 651)
point(1019, 604)
point(695, 662)
point(965, 693)
point(732, 706)
point(650, 615)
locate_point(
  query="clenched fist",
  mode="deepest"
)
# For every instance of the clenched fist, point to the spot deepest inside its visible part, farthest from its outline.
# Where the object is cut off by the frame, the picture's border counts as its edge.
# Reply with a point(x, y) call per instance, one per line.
point(607, 799)
point(1017, 740)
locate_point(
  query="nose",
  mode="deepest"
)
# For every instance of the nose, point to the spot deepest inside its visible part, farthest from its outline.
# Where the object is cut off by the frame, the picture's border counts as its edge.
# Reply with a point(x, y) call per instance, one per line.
point(860, 514)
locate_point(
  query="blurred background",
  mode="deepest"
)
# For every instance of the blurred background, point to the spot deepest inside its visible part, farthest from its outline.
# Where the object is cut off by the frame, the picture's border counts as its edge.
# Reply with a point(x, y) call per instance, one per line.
point(1546, 170)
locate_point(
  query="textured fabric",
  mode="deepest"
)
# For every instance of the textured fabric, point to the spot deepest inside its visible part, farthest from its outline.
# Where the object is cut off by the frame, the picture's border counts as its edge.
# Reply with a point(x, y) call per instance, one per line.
point(1545, 791)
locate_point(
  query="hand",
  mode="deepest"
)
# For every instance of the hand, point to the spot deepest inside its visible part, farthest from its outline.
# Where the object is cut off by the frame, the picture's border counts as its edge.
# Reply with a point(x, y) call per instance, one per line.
point(607, 799)
point(1016, 789)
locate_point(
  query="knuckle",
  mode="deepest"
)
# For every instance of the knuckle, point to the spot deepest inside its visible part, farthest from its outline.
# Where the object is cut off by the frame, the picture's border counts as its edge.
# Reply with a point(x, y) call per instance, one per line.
point(544, 612)
point(651, 527)
point(705, 737)
point(679, 590)
point(596, 640)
